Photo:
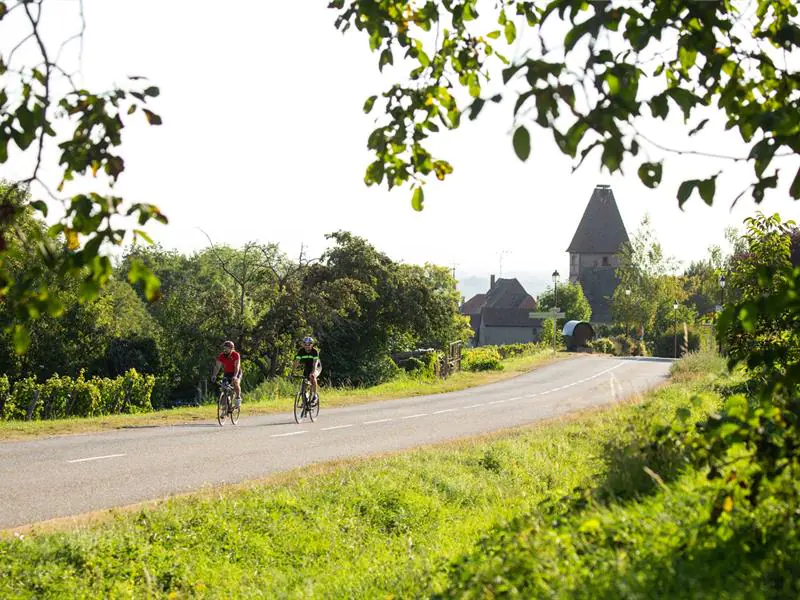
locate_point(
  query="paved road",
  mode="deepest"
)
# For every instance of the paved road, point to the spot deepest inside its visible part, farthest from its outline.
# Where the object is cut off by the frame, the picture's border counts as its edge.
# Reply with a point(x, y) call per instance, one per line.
point(70, 475)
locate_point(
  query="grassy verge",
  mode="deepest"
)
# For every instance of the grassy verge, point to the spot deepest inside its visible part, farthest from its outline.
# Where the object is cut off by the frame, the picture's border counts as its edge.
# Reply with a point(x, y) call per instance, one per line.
point(434, 521)
point(267, 399)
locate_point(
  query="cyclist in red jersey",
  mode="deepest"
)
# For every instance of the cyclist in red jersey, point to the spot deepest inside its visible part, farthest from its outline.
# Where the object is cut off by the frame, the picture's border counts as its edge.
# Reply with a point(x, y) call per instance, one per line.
point(231, 363)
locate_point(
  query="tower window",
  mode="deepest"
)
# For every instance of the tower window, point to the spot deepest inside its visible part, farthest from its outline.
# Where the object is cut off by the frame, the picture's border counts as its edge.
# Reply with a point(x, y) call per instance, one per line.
point(605, 261)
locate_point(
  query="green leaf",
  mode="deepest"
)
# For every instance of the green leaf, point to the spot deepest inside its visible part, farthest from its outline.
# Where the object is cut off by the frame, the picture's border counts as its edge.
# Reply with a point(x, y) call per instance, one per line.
point(22, 339)
point(522, 143)
point(685, 190)
point(659, 106)
point(612, 154)
point(510, 31)
point(509, 72)
point(40, 206)
point(707, 189)
point(650, 174)
point(699, 127)
point(685, 99)
point(493, 35)
point(386, 59)
point(475, 108)
point(613, 84)
point(794, 190)
point(152, 91)
point(369, 104)
point(728, 428)
point(152, 117)
point(687, 57)
point(3, 149)
point(143, 235)
point(417, 198)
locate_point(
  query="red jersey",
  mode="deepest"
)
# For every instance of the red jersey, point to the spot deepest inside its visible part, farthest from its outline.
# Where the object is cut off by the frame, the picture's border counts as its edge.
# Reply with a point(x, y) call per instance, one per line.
point(229, 361)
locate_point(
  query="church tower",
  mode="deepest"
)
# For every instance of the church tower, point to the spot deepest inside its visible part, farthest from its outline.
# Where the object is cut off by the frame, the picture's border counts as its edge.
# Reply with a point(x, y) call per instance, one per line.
point(594, 251)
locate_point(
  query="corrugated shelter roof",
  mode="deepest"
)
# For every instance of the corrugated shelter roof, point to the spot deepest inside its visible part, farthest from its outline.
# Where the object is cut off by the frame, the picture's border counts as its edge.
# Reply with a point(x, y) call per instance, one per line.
point(601, 230)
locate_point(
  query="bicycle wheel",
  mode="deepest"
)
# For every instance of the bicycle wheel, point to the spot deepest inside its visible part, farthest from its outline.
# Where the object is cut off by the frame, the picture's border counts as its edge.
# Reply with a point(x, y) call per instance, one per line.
point(299, 408)
point(222, 408)
point(235, 410)
point(313, 409)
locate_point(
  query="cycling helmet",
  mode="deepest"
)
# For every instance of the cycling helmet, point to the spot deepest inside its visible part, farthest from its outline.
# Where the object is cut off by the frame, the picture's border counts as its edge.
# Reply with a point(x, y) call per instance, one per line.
point(228, 344)
point(308, 340)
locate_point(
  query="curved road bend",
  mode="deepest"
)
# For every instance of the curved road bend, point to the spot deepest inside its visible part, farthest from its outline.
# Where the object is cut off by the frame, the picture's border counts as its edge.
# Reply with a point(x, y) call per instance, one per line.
point(70, 475)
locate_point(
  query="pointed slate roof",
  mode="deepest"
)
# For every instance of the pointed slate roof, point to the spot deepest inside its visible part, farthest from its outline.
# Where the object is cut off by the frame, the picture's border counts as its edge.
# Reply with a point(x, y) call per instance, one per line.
point(506, 293)
point(473, 305)
point(601, 230)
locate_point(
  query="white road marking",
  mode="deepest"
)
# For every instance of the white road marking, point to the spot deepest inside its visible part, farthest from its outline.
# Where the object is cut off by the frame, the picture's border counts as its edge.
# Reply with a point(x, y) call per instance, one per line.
point(496, 402)
point(290, 433)
point(515, 398)
point(474, 405)
point(77, 460)
point(377, 421)
point(415, 416)
point(336, 427)
point(438, 412)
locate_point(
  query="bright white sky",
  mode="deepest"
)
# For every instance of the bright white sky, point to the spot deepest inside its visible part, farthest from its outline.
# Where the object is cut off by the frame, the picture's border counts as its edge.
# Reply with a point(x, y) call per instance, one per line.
point(264, 139)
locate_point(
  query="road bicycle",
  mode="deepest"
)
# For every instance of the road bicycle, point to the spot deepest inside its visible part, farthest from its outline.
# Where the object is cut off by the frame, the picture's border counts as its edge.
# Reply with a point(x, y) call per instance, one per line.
point(226, 404)
point(305, 407)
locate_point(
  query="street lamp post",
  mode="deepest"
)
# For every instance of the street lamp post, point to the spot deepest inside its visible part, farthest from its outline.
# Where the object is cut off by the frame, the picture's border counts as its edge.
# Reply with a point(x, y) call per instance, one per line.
point(627, 312)
point(675, 330)
point(721, 304)
point(555, 306)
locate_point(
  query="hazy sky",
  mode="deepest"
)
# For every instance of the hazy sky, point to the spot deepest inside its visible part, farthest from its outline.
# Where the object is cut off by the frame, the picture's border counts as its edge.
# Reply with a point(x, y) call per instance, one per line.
point(264, 139)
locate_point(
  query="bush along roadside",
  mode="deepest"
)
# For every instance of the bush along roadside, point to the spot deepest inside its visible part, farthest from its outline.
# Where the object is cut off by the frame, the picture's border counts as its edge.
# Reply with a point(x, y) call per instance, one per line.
point(489, 358)
point(61, 397)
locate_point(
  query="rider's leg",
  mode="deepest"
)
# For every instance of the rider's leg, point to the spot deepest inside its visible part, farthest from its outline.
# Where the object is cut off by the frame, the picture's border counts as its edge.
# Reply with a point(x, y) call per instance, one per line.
point(237, 387)
point(313, 379)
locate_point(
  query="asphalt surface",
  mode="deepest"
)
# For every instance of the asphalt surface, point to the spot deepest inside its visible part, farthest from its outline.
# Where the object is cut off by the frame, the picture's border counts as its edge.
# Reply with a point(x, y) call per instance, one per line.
point(71, 475)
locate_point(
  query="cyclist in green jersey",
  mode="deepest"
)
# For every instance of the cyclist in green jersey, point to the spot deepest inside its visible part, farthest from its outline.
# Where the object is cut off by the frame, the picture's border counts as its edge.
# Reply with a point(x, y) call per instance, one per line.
point(308, 356)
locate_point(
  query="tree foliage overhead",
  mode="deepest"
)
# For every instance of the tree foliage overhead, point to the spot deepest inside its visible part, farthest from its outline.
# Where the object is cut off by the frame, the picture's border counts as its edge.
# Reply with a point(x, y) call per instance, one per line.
point(42, 107)
point(598, 70)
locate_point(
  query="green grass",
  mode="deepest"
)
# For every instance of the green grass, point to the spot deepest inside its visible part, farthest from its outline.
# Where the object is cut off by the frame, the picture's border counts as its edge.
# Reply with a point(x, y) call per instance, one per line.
point(276, 397)
point(408, 525)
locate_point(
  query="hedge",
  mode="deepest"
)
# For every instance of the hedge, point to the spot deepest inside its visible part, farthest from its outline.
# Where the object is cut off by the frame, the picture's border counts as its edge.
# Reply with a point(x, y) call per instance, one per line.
point(61, 397)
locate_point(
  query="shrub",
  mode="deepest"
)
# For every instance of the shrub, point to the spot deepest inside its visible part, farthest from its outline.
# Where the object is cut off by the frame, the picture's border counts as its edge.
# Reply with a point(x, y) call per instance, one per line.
point(696, 364)
point(138, 389)
point(163, 386)
point(602, 345)
point(112, 394)
point(484, 358)
point(512, 350)
point(5, 397)
point(26, 400)
point(664, 344)
point(86, 400)
point(55, 396)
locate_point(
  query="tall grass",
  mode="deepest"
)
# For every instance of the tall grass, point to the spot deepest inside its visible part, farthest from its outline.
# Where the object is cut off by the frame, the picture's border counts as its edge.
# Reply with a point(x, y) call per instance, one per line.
point(705, 363)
